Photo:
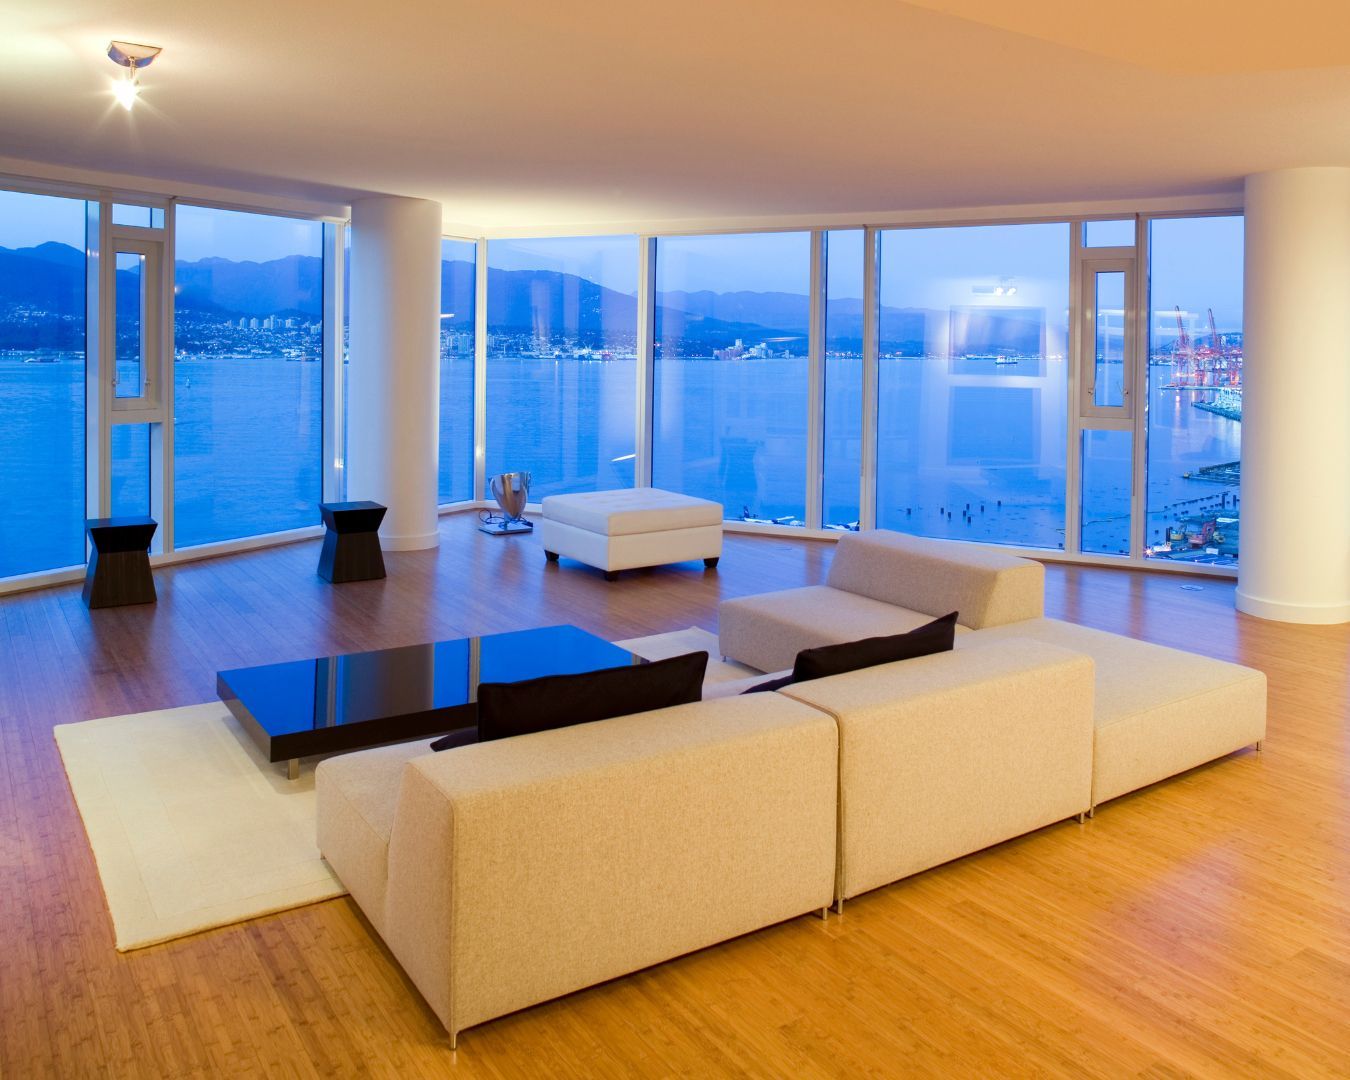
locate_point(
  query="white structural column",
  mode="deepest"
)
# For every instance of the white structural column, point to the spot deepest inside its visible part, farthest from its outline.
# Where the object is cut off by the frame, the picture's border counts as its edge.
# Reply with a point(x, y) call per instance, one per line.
point(1295, 517)
point(393, 406)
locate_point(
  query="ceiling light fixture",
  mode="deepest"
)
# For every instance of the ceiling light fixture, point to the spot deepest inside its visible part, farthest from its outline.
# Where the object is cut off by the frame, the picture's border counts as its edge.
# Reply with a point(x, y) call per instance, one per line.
point(133, 57)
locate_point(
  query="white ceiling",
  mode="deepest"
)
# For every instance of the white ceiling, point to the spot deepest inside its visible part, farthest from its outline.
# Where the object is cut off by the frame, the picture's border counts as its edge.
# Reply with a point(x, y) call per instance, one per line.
point(523, 114)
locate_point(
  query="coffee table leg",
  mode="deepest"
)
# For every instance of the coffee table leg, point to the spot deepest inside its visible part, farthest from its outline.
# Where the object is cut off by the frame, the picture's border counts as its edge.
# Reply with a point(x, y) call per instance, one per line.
point(293, 769)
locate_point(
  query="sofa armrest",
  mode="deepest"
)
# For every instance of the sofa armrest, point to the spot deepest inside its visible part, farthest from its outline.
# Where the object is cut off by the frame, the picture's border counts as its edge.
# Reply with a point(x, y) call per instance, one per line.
point(524, 869)
point(947, 754)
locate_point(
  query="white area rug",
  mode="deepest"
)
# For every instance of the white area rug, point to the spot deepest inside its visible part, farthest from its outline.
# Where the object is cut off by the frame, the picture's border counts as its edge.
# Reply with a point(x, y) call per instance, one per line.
point(679, 642)
point(192, 828)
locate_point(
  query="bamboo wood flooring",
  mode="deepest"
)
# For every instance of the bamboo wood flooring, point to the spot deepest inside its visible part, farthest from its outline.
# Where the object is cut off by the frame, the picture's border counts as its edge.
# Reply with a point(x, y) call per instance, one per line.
point(1198, 928)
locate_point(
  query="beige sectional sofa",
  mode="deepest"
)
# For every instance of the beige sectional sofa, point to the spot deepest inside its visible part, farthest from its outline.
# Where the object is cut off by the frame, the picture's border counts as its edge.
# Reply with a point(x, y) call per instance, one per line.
point(882, 583)
point(947, 754)
point(1158, 711)
point(504, 874)
point(507, 873)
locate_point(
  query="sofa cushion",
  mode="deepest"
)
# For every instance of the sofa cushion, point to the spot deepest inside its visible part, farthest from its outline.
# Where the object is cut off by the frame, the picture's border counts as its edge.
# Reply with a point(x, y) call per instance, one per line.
point(1158, 711)
point(769, 630)
point(946, 754)
point(988, 588)
point(631, 510)
point(554, 701)
point(826, 660)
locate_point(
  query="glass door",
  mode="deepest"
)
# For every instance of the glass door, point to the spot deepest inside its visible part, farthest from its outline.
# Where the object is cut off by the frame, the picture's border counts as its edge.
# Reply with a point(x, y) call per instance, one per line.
point(1105, 439)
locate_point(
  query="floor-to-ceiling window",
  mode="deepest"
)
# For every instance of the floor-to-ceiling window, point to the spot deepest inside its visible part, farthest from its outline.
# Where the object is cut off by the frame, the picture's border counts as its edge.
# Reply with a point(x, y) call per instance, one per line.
point(1194, 389)
point(42, 387)
point(731, 348)
point(562, 362)
point(458, 260)
point(972, 382)
point(842, 462)
point(248, 374)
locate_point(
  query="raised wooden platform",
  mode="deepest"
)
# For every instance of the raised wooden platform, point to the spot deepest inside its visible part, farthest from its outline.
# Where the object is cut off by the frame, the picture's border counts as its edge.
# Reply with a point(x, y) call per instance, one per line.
point(1201, 927)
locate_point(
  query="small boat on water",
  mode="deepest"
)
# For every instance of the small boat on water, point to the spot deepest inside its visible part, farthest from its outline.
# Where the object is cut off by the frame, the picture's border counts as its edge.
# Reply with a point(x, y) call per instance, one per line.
point(42, 360)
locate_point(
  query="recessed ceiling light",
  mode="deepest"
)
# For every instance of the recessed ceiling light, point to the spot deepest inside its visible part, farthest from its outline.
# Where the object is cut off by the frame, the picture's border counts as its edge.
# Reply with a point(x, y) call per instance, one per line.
point(133, 57)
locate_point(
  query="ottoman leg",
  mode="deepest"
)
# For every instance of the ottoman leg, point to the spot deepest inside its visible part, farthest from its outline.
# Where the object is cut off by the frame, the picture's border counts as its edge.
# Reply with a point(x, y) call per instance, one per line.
point(711, 564)
point(551, 556)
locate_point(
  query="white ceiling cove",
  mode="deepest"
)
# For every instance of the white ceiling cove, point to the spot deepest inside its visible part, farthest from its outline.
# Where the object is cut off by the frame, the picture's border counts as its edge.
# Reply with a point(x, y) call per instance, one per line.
point(517, 113)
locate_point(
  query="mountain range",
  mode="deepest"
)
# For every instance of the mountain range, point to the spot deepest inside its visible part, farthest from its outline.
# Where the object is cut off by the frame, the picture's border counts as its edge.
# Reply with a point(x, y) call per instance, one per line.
point(50, 278)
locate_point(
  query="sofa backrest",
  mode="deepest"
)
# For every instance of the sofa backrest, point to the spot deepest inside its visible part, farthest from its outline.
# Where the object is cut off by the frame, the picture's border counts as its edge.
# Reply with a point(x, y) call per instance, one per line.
point(947, 754)
point(526, 868)
point(988, 588)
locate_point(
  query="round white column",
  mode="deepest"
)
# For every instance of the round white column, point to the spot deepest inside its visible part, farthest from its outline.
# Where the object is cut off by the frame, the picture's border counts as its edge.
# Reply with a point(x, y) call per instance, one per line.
point(1294, 564)
point(393, 408)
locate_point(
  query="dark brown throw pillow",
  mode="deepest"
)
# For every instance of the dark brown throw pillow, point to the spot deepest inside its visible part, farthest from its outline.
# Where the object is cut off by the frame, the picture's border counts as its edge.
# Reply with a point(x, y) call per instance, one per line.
point(934, 637)
point(519, 708)
point(771, 684)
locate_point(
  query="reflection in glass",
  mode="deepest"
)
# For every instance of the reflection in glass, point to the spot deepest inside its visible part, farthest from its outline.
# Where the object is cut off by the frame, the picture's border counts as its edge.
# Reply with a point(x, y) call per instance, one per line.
point(1195, 389)
point(562, 362)
point(42, 322)
point(248, 386)
point(972, 371)
point(730, 405)
point(458, 258)
point(1108, 464)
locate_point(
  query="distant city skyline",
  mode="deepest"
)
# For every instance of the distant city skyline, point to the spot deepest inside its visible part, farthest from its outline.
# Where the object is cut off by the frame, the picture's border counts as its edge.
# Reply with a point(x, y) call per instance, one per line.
point(1202, 267)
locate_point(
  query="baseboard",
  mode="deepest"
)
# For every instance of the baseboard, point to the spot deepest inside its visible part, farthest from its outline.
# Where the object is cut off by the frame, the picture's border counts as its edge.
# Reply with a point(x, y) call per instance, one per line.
point(417, 542)
point(1337, 611)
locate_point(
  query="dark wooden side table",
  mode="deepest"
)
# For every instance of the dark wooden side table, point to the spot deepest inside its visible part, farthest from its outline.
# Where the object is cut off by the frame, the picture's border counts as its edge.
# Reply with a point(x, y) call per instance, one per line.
point(119, 564)
point(351, 544)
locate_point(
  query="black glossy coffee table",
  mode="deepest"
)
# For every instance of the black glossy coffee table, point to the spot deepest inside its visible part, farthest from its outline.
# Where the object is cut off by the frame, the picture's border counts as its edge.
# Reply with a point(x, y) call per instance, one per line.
point(304, 707)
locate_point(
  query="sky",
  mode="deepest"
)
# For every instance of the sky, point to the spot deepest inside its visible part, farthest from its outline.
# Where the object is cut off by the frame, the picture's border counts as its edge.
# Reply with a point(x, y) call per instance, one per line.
point(1197, 262)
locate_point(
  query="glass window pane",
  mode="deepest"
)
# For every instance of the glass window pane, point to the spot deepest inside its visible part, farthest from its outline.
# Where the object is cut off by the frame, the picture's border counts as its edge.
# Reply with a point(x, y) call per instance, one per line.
point(562, 362)
point(140, 216)
point(42, 270)
point(1109, 233)
point(130, 470)
point(1195, 389)
point(457, 346)
point(843, 378)
point(972, 406)
point(129, 339)
point(248, 374)
point(730, 407)
point(1108, 464)
point(1108, 369)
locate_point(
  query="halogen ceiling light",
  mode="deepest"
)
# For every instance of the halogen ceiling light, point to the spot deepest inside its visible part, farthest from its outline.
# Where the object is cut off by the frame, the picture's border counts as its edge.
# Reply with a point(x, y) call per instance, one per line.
point(133, 57)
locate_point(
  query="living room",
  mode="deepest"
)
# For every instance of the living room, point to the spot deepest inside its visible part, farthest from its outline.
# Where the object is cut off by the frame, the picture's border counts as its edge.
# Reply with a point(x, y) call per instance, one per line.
point(722, 541)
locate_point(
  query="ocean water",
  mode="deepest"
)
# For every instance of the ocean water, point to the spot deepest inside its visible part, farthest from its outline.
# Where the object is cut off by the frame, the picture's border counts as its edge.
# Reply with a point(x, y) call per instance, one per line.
point(249, 444)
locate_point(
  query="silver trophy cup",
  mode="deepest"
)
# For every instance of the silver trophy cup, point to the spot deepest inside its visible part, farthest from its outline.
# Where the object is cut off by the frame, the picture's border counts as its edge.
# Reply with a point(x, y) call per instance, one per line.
point(511, 490)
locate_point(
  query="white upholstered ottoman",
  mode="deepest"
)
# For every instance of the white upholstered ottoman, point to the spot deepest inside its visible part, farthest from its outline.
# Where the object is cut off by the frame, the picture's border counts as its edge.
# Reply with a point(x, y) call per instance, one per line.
point(621, 530)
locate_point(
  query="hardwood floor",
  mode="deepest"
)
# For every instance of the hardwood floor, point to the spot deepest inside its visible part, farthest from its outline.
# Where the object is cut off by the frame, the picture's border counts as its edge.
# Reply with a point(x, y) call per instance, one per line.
point(1198, 928)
